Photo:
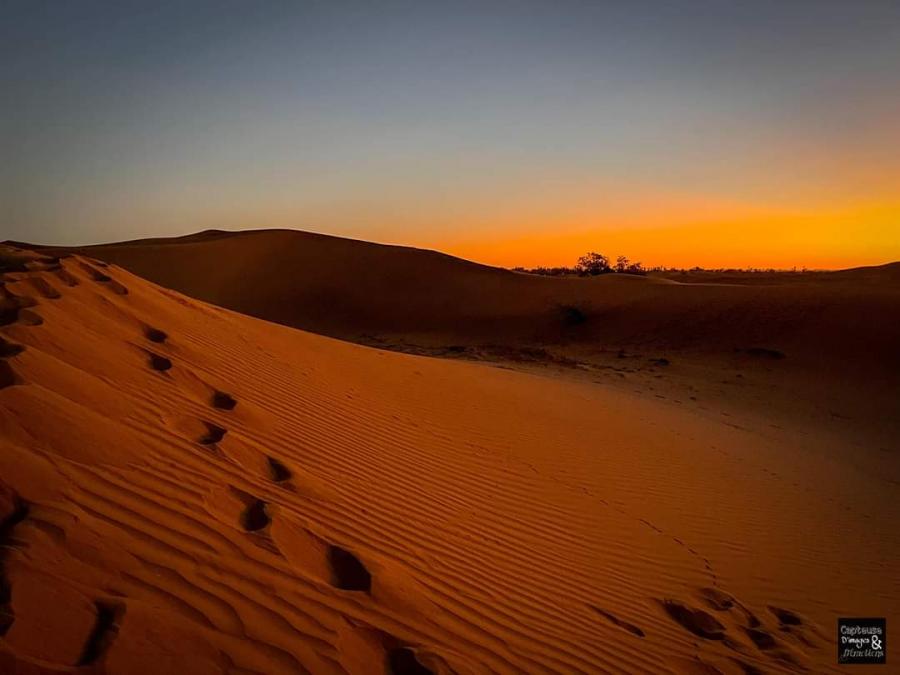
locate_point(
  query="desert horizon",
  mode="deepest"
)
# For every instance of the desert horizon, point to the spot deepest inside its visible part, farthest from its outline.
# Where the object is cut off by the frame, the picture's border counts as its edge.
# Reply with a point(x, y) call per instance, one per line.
point(472, 338)
point(529, 261)
point(543, 266)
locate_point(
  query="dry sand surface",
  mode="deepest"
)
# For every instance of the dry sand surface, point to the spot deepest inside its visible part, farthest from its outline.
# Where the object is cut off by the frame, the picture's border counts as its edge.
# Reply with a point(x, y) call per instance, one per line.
point(187, 489)
point(817, 350)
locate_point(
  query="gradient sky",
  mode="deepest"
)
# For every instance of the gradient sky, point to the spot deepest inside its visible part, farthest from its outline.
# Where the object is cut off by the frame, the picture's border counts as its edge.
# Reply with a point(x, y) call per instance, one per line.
point(708, 132)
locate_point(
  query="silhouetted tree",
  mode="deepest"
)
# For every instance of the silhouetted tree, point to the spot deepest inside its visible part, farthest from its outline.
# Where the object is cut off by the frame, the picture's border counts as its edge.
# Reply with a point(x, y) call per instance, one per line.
point(590, 264)
point(593, 264)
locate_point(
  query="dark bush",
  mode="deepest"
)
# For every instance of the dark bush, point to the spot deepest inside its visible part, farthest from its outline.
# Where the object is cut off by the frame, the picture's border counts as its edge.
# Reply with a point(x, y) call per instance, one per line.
point(593, 264)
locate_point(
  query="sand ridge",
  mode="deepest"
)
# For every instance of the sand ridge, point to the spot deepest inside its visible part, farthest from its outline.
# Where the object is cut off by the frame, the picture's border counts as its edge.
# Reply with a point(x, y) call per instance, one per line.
point(193, 490)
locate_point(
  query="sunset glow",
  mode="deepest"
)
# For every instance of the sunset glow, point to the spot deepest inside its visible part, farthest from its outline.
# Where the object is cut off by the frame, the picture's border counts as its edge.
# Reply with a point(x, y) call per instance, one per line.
point(867, 236)
point(428, 337)
point(713, 135)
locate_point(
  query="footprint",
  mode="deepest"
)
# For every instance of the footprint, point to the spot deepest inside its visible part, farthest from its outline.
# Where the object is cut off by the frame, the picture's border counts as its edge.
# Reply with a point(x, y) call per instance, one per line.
point(44, 289)
point(94, 274)
point(793, 624)
point(721, 601)
point(403, 661)
point(696, 621)
point(762, 639)
point(616, 621)
point(9, 349)
point(102, 278)
point(213, 434)
point(28, 317)
point(223, 401)
point(157, 362)
point(278, 471)
point(786, 617)
point(9, 313)
point(8, 377)
point(197, 430)
point(716, 599)
point(66, 277)
point(12, 263)
point(255, 516)
point(116, 287)
point(105, 630)
point(13, 510)
point(367, 649)
point(347, 571)
point(13, 308)
point(155, 335)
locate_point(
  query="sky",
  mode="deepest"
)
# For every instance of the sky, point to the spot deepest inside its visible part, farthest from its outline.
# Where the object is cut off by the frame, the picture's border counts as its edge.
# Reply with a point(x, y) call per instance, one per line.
point(718, 133)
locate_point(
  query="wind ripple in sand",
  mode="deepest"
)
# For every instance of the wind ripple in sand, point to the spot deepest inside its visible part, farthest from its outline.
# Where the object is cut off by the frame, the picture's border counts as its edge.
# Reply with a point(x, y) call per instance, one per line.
point(362, 511)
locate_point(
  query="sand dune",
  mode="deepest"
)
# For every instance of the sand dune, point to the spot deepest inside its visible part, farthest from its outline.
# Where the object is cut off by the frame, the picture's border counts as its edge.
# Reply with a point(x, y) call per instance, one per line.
point(347, 288)
point(818, 349)
point(188, 489)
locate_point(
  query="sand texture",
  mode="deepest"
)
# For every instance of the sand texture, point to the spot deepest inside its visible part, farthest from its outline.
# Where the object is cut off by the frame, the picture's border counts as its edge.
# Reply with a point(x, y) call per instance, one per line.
point(188, 489)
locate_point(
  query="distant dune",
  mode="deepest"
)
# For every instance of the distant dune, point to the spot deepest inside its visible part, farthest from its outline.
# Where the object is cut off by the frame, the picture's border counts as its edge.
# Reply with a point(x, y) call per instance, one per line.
point(838, 331)
point(187, 489)
point(347, 288)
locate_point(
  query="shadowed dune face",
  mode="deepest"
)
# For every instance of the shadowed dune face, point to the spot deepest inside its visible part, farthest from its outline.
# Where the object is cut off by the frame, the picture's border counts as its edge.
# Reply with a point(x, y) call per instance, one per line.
point(368, 511)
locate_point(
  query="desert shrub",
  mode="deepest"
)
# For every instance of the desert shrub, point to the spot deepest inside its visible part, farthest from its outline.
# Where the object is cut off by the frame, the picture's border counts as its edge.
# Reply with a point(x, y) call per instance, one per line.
point(625, 266)
point(592, 264)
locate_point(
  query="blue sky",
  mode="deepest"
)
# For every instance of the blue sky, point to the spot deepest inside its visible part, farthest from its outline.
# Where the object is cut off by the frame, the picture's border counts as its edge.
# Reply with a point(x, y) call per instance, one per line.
point(450, 124)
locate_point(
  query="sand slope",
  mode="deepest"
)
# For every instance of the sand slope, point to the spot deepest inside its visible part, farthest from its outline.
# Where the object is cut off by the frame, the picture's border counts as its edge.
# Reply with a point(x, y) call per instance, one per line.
point(186, 489)
point(807, 351)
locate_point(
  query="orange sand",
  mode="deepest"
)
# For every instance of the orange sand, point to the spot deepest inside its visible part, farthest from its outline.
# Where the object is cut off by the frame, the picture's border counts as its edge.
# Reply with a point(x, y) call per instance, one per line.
point(185, 489)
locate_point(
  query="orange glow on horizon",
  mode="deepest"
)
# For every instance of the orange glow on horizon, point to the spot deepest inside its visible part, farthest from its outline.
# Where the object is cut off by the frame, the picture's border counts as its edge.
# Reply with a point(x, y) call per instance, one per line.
point(554, 225)
point(851, 238)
